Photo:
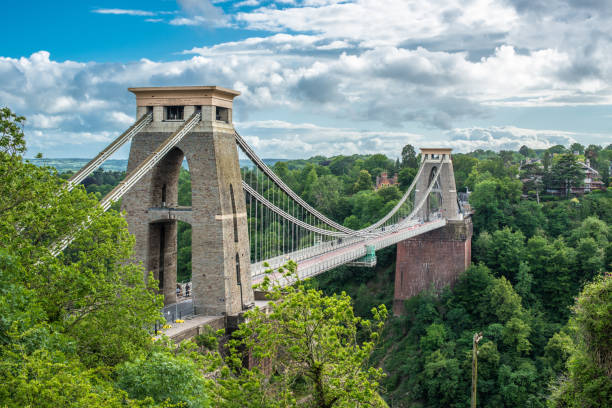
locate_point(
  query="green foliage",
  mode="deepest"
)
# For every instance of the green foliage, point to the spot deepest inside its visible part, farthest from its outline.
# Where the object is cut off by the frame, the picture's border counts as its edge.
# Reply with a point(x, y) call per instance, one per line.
point(183, 256)
point(529, 218)
point(406, 176)
point(589, 367)
point(501, 251)
point(326, 192)
point(49, 380)
point(536, 253)
point(462, 167)
point(493, 199)
point(527, 152)
point(308, 341)
point(364, 182)
point(12, 140)
point(65, 321)
point(207, 339)
point(566, 172)
point(102, 182)
point(409, 158)
point(184, 188)
point(164, 378)
point(429, 348)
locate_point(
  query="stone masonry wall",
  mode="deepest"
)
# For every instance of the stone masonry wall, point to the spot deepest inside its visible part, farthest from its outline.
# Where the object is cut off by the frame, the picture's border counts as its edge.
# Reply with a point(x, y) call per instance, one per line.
point(210, 150)
point(433, 259)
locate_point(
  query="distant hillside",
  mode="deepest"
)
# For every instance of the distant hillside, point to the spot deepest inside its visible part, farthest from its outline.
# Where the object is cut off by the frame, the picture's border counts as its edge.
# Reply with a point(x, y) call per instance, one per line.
point(63, 165)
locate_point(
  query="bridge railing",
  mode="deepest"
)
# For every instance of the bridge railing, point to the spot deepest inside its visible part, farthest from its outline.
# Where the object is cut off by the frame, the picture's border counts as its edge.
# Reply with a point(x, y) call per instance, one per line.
point(324, 261)
point(179, 310)
point(258, 268)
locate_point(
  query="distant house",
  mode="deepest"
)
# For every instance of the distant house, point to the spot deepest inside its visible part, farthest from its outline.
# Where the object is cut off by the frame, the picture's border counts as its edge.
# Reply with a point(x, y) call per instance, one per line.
point(591, 182)
point(384, 181)
point(592, 179)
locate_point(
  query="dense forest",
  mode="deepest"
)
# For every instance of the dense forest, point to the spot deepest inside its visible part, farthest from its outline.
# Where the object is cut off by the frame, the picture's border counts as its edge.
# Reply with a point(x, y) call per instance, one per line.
point(76, 330)
point(532, 252)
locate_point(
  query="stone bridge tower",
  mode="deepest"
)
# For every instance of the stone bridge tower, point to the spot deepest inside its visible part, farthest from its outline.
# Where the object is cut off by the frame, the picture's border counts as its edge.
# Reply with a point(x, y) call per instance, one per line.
point(434, 259)
point(445, 191)
point(220, 248)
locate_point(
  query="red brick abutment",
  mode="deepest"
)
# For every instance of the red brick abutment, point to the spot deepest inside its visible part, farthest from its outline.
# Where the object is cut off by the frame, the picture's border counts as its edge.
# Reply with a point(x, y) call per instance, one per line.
point(431, 260)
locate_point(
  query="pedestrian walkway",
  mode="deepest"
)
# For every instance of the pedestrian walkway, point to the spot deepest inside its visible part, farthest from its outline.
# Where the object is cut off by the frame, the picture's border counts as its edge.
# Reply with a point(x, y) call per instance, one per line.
point(192, 326)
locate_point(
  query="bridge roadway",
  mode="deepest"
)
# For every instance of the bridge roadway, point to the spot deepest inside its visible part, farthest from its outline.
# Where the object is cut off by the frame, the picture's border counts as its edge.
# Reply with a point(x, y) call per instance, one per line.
point(329, 259)
point(309, 266)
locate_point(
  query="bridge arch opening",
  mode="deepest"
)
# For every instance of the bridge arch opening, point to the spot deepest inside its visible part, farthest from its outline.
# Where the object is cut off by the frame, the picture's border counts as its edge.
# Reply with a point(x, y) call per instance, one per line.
point(434, 200)
point(170, 239)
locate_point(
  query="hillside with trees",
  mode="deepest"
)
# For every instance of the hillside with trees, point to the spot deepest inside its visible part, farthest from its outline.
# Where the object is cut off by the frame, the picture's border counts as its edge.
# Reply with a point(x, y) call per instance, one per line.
point(76, 330)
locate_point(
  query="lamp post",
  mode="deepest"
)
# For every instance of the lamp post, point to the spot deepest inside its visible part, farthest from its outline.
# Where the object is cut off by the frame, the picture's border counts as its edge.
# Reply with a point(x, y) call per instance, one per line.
point(477, 338)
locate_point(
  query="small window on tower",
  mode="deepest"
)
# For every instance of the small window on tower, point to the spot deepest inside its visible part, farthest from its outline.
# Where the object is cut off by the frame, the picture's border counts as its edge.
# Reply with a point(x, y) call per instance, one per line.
point(174, 112)
point(222, 114)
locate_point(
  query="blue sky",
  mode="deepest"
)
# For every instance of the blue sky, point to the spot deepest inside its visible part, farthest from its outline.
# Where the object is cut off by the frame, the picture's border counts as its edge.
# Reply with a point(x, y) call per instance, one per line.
point(318, 76)
point(95, 31)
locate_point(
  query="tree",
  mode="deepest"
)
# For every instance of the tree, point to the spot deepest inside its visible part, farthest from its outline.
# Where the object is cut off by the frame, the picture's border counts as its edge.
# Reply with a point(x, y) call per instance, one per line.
point(529, 217)
point(463, 165)
point(589, 368)
point(88, 308)
point(577, 147)
point(390, 193)
point(526, 151)
point(567, 173)
point(45, 379)
point(409, 158)
point(546, 159)
point(405, 177)
point(364, 182)
point(506, 156)
point(492, 200)
point(592, 151)
point(184, 188)
point(557, 149)
point(592, 240)
point(326, 193)
point(309, 342)
point(502, 251)
point(309, 182)
point(164, 378)
point(524, 281)
point(484, 201)
point(552, 259)
point(352, 222)
point(341, 165)
point(377, 163)
point(12, 139)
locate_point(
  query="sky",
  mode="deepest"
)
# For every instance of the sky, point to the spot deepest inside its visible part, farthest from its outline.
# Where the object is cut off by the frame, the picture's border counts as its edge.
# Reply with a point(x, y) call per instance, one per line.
point(317, 77)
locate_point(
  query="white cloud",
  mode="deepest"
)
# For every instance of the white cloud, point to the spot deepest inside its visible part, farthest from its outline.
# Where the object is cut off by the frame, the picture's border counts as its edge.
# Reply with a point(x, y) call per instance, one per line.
point(201, 12)
point(42, 121)
point(390, 23)
point(120, 117)
point(124, 12)
point(274, 138)
point(508, 138)
point(183, 21)
point(247, 3)
point(407, 64)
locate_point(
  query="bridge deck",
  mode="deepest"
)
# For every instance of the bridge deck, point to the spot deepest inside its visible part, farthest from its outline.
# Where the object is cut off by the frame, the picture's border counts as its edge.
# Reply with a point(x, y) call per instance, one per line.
point(320, 263)
point(193, 325)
